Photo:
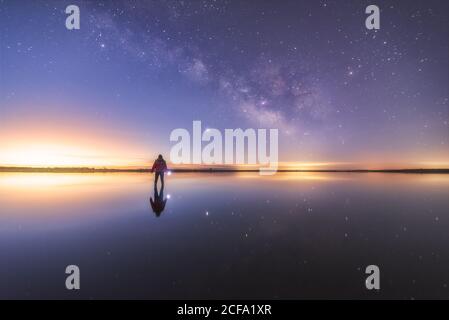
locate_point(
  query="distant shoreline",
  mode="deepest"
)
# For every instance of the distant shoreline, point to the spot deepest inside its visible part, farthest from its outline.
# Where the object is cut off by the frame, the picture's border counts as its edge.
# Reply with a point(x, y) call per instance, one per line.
point(210, 170)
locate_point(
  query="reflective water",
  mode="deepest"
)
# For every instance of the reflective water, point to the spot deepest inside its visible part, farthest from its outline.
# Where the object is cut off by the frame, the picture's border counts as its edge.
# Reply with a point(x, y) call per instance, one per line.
point(293, 235)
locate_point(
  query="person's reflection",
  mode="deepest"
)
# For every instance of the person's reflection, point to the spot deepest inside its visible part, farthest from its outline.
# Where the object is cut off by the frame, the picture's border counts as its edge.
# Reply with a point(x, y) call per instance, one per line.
point(158, 204)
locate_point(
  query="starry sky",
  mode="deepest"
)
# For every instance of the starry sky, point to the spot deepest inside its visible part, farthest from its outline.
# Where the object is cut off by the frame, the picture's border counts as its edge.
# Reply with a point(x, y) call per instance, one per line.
point(111, 92)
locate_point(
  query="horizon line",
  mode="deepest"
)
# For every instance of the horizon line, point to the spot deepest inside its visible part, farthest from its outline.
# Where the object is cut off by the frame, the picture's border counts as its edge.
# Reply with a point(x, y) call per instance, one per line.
point(207, 170)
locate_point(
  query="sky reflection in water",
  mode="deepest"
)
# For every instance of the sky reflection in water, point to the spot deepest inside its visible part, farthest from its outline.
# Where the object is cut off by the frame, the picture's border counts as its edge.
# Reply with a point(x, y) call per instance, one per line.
point(298, 235)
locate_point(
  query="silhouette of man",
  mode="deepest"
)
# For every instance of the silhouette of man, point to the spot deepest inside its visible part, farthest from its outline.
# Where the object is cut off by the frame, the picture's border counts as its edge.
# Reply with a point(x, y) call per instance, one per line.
point(158, 204)
point(159, 166)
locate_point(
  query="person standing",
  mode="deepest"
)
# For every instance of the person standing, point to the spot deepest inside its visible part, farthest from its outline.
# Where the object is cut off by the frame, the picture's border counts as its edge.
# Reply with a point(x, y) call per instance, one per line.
point(159, 167)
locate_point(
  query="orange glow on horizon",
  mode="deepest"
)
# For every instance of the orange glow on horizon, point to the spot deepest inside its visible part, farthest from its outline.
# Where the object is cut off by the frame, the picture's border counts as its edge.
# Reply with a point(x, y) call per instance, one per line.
point(67, 145)
point(55, 155)
point(66, 155)
point(71, 144)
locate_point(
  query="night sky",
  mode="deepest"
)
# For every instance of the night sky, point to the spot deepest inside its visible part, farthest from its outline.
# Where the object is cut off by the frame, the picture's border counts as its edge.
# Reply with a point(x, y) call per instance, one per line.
point(113, 91)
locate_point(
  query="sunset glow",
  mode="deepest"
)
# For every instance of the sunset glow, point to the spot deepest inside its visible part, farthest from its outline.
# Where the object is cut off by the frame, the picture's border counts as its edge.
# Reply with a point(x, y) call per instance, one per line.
point(67, 144)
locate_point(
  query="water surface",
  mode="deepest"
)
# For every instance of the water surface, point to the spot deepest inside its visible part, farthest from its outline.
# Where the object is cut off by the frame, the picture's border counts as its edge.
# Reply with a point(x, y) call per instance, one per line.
point(292, 235)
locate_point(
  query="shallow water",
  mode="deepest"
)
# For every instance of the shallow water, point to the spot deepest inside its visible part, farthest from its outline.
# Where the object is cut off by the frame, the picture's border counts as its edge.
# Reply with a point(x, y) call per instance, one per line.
point(292, 235)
